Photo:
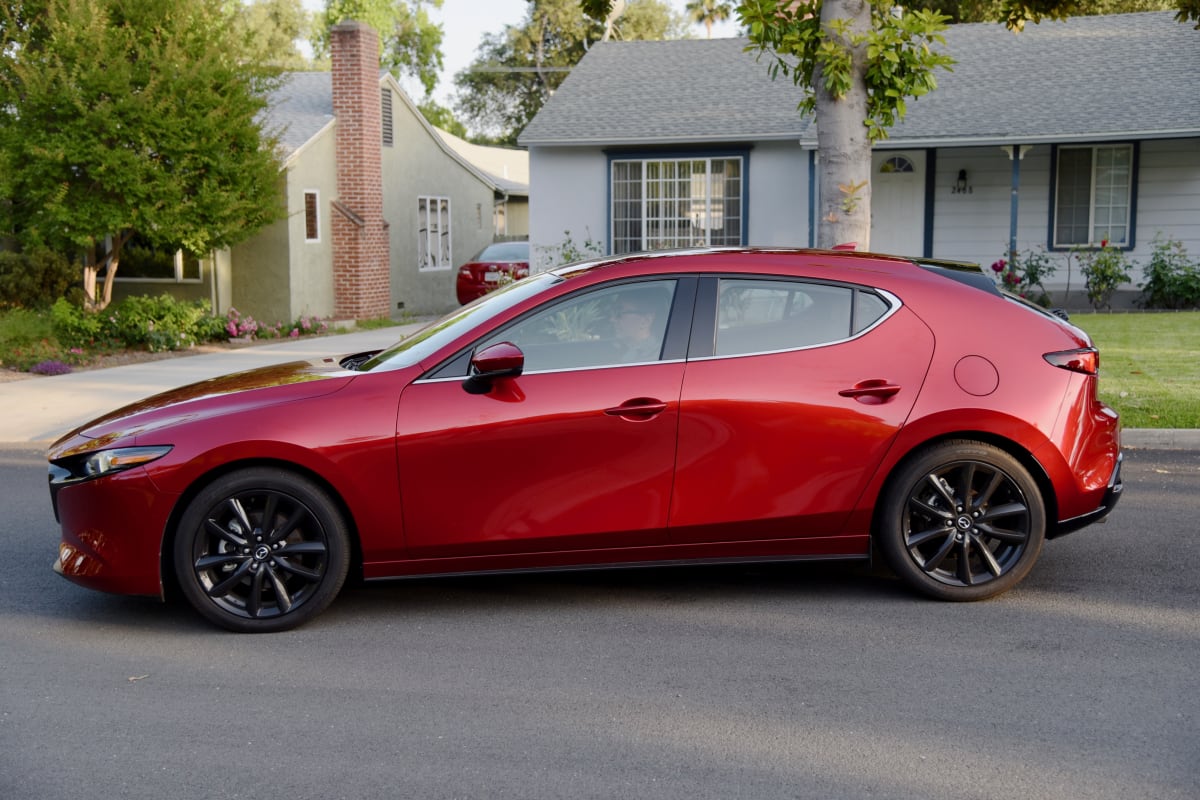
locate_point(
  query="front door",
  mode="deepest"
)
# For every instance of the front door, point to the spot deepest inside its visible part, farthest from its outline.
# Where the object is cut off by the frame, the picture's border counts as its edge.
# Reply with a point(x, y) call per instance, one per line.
point(577, 452)
point(898, 203)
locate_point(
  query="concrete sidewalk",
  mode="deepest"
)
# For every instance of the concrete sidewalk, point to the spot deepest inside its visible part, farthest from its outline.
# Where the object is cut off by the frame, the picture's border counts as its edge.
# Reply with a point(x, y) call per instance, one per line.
point(38, 410)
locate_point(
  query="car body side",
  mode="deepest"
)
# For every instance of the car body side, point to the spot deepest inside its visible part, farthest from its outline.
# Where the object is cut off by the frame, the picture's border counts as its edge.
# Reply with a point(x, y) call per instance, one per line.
point(117, 537)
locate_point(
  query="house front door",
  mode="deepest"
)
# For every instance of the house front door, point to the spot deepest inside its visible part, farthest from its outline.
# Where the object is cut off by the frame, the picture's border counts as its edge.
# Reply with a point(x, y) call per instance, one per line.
point(898, 202)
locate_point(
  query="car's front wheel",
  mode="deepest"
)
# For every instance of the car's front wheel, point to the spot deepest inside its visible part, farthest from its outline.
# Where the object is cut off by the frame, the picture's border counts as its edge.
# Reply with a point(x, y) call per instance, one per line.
point(962, 520)
point(261, 550)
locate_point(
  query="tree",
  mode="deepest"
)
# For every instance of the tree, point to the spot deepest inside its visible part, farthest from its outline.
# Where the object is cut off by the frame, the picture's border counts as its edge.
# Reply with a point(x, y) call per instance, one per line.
point(124, 116)
point(709, 12)
point(275, 26)
point(516, 70)
point(410, 43)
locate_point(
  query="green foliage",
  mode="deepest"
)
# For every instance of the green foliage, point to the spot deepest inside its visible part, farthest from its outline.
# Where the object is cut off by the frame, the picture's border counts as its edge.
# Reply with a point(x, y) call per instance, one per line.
point(132, 115)
point(899, 54)
point(34, 279)
point(1172, 279)
point(1016, 13)
point(568, 252)
point(1023, 276)
point(74, 327)
point(441, 117)
point(410, 43)
point(275, 26)
point(516, 70)
point(1104, 269)
point(156, 323)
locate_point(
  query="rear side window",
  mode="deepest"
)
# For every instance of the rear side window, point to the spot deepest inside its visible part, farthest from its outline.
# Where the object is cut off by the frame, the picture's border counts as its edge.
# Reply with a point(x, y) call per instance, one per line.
point(759, 316)
point(504, 251)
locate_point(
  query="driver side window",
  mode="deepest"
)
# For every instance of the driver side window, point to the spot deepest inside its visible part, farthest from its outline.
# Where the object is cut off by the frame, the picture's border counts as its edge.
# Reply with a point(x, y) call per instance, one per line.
point(624, 324)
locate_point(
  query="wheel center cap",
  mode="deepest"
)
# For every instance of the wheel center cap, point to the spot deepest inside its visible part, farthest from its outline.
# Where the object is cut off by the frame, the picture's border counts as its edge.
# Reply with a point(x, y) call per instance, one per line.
point(965, 523)
point(261, 552)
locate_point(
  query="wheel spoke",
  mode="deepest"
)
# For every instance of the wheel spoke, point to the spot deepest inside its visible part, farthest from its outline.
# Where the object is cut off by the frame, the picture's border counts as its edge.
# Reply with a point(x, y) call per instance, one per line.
point(966, 480)
point(964, 562)
point(223, 588)
point(941, 489)
point(254, 598)
point(292, 522)
point(302, 549)
point(986, 556)
point(985, 496)
point(930, 510)
point(918, 539)
point(935, 561)
point(311, 575)
point(216, 529)
point(218, 560)
point(1006, 510)
point(239, 511)
point(1010, 537)
point(282, 597)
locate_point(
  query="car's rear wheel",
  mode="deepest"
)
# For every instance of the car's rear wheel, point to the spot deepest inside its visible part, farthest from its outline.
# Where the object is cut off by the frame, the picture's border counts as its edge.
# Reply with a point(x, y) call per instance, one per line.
point(261, 550)
point(962, 521)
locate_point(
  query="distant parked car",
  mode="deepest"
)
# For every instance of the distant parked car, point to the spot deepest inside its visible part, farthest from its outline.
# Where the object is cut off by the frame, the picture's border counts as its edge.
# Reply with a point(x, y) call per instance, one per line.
point(721, 405)
point(492, 266)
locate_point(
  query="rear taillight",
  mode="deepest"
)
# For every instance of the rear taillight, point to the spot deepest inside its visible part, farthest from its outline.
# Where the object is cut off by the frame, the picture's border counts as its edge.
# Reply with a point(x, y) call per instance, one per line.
point(1086, 360)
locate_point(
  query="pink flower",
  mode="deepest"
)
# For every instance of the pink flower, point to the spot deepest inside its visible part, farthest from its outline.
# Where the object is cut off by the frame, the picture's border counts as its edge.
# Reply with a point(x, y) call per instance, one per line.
point(295, 332)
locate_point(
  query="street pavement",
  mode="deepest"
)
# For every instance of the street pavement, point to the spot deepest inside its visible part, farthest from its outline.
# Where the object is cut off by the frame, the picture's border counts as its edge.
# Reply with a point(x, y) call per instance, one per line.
point(38, 410)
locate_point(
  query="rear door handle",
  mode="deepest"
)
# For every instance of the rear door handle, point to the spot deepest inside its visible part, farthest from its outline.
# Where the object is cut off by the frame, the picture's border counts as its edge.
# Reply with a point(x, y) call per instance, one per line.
point(871, 392)
point(638, 408)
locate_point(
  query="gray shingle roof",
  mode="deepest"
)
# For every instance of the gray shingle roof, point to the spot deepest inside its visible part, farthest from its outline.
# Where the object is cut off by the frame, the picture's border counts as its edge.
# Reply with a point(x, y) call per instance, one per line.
point(673, 91)
point(300, 108)
point(1084, 78)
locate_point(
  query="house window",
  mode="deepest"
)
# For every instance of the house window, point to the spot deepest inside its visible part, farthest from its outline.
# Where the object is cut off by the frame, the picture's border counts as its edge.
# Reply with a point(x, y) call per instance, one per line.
point(500, 218)
point(386, 114)
point(1093, 195)
point(312, 220)
point(433, 233)
point(688, 202)
point(896, 164)
point(141, 261)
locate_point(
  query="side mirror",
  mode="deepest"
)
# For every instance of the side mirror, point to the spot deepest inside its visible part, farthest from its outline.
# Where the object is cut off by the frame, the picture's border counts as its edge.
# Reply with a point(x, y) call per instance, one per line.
point(500, 360)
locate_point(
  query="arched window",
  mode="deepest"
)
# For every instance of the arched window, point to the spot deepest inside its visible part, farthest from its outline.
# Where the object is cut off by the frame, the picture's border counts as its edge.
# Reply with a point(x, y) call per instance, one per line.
point(896, 164)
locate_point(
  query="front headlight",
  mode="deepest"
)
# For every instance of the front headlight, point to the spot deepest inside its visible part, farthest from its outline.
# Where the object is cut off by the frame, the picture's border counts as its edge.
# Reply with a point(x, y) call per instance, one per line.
point(106, 462)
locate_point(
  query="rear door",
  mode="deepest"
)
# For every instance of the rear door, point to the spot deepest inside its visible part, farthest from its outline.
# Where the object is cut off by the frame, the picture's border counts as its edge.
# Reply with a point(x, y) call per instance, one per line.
point(793, 392)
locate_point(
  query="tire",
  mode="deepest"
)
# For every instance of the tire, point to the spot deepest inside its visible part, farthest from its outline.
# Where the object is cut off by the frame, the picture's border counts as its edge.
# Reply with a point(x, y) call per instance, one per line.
point(261, 550)
point(962, 521)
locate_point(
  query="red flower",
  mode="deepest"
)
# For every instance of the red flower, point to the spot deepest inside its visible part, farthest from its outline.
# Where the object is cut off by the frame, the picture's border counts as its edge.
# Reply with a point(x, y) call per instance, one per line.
point(998, 266)
point(1104, 242)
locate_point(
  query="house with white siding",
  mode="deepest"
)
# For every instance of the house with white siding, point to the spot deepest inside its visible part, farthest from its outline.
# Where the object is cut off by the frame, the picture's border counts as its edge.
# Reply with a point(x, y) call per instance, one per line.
point(1065, 135)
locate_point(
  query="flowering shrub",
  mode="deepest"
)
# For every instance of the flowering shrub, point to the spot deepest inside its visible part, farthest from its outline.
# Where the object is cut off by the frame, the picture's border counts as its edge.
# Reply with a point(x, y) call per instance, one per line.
point(50, 367)
point(246, 327)
point(1104, 270)
point(1024, 275)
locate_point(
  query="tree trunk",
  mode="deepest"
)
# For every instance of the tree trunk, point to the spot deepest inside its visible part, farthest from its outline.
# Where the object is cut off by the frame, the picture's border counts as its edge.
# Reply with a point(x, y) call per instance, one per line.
point(844, 171)
point(91, 270)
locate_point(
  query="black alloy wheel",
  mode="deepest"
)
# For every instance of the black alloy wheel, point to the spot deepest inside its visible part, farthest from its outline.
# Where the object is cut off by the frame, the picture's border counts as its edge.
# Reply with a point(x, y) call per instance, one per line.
point(261, 550)
point(962, 521)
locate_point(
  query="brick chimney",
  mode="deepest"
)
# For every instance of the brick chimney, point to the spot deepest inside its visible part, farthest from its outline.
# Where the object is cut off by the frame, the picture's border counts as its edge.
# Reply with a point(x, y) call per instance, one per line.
point(361, 256)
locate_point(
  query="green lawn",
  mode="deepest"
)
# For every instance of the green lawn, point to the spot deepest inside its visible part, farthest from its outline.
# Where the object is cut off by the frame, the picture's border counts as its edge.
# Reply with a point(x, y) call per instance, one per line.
point(1149, 366)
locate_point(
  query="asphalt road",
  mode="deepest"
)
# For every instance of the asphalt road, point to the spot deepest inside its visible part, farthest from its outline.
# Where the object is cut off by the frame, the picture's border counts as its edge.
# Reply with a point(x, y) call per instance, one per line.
point(781, 682)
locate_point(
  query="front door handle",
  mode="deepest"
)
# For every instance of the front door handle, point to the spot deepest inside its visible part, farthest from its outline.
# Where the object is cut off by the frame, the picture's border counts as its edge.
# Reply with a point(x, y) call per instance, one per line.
point(638, 408)
point(872, 392)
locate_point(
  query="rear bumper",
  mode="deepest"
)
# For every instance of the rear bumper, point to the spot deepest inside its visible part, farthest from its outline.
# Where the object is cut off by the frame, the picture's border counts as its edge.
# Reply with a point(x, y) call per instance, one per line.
point(1112, 494)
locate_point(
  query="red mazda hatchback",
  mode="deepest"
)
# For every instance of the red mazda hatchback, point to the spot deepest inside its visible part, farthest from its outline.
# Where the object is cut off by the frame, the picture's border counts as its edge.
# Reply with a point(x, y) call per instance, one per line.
point(702, 406)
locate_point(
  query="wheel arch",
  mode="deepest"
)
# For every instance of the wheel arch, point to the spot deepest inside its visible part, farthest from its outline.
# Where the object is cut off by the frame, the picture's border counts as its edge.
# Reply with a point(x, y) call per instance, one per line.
point(1009, 446)
point(170, 581)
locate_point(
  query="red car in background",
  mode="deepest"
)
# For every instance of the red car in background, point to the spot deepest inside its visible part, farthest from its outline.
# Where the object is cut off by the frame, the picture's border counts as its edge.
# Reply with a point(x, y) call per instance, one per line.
point(692, 406)
point(498, 263)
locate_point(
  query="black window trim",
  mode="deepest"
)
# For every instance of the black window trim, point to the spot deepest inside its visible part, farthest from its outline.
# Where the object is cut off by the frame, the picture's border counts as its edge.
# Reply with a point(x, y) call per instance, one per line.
point(1131, 240)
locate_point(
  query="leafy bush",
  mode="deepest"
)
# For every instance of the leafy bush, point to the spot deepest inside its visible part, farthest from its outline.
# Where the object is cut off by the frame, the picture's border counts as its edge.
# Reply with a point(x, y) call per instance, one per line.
point(35, 279)
point(1172, 280)
point(158, 323)
point(1104, 270)
point(74, 327)
point(1025, 274)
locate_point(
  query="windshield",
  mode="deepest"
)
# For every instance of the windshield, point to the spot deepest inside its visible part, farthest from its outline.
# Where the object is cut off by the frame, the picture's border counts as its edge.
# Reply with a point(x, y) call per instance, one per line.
point(436, 335)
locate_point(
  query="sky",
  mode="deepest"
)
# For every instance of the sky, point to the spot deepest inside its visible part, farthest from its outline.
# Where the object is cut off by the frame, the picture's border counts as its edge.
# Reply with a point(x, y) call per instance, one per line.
point(464, 23)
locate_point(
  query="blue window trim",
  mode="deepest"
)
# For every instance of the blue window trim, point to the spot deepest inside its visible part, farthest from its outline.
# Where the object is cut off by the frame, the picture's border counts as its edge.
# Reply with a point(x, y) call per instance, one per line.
point(612, 155)
point(1131, 240)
